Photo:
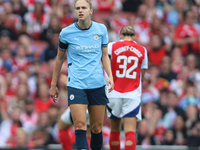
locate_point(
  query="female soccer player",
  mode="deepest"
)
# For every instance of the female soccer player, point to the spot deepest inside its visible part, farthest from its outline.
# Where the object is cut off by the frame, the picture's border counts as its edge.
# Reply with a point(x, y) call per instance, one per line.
point(129, 63)
point(86, 45)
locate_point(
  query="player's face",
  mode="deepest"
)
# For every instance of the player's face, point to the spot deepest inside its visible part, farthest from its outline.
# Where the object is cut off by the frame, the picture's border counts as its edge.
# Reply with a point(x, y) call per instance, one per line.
point(83, 10)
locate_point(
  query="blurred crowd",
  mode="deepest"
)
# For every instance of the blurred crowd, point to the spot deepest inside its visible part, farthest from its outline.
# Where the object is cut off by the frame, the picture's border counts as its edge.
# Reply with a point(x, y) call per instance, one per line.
point(169, 29)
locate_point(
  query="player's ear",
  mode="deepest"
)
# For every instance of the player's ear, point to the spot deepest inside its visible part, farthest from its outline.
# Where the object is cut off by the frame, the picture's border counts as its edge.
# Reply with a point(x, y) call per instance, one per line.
point(91, 11)
point(121, 36)
point(134, 38)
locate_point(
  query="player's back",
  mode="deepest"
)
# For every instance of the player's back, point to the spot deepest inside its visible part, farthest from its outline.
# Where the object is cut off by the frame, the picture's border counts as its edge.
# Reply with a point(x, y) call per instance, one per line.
point(127, 58)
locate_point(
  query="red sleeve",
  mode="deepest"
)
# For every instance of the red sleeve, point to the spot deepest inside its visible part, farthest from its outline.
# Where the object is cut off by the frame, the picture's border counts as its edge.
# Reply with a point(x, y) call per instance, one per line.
point(177, 32)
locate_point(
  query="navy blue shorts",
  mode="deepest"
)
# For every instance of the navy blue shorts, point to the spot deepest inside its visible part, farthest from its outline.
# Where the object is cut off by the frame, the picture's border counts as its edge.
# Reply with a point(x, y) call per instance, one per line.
point(95, 96)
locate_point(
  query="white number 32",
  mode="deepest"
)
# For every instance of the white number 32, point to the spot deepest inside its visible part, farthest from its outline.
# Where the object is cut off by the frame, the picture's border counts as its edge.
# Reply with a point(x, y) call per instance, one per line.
point(126, 71)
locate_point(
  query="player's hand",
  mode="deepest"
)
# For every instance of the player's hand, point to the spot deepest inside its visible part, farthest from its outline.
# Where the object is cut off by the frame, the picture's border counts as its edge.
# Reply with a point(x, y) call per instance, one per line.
point(54, 93)
point(110, 84)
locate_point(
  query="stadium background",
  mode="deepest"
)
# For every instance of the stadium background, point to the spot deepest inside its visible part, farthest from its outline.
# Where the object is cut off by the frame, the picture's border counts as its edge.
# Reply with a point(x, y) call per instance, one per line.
point(29, 36)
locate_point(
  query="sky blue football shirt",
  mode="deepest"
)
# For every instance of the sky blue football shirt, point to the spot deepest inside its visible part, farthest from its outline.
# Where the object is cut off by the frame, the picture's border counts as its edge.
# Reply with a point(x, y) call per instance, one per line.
point(84, 54)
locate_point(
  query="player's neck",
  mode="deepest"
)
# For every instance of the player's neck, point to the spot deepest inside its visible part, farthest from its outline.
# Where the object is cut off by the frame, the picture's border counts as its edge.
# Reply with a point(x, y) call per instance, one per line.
point(85, 24)
point(128, 38)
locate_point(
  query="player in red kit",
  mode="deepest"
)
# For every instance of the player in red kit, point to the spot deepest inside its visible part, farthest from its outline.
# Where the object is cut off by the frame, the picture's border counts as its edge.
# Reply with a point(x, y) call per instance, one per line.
point(129, 62)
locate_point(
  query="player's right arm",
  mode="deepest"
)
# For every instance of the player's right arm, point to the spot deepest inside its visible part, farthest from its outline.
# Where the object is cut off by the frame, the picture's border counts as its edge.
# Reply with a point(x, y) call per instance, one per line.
point(58, 64)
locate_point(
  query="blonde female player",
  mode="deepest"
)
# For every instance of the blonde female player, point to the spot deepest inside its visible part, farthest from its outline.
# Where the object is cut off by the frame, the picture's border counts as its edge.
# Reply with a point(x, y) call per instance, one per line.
point(86, 44)
point(129, 63)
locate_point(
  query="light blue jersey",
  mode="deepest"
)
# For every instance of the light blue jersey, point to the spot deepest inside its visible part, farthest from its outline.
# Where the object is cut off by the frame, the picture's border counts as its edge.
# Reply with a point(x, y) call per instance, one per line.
point(84, 54)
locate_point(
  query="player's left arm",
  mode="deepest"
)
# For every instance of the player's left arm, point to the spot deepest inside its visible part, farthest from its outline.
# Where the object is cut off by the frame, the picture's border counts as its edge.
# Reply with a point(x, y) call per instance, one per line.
point(107, 67)
point(144, 65)
point(143, 73)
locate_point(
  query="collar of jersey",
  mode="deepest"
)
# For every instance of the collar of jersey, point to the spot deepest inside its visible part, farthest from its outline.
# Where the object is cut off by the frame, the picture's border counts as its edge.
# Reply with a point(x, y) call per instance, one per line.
point(76, 25)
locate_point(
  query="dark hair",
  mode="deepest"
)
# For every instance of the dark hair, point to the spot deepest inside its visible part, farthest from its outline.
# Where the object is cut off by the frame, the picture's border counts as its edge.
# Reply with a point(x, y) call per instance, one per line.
point(185, 13)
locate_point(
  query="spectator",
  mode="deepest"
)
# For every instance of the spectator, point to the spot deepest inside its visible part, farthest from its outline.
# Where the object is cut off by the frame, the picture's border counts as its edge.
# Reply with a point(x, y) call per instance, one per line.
point(117, 21)
point(157, 123)
point(44, 122)
point(194, 138)
point(50, 51)
point(107, 5)
point(9, 127)
point(37, 20)
point(143, 25)
point(2, 87)
point(191, 61)
point(12, 21)
point(19, 8)
point(152, 10)
point(173, 110)
point(53, 113)
point(29, 117)
point(169, 138)
point(41, 138)
point(177, 60)
point(156, 52)
point(20, 139)
point(49, 71)
point(43, 100)
point(166, 71)
point(62, 103)
point(3, 111)
point(180, 131)
point(186, 35)
point(189, 97)
point(34, 73)
point(157, 27)
point(30, 4)
point(30, 49)
point(168, 31)
point(67, 17)
point(112, 35)
point(2, 19)
point(148, 88)
point(20, 61)
point(195, 10)
point(55, 7)
point(144, 136)
point(192, 114)
point(23, 30)
point(10, 90)
point(178, 85)
point(6, 61)
point(21, 95)
point(172, 16)
point(5, 39)
point(54, 26)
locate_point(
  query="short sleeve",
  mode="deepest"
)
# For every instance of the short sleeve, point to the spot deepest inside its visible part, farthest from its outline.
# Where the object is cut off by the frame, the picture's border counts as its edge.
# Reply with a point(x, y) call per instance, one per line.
point(145, 61)
point(105, 36)
point(63, 41)
point(110, 48)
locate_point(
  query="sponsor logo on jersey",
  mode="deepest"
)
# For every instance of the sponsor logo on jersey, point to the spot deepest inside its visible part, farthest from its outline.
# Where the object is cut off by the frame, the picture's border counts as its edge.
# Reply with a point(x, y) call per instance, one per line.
point(96, 37)
point(87, 47)
point(71, 97)
point(76, 39)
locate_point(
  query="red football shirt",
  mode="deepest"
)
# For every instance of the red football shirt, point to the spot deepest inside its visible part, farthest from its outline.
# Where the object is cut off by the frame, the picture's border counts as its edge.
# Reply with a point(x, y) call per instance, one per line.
point(128, 58)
